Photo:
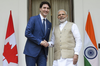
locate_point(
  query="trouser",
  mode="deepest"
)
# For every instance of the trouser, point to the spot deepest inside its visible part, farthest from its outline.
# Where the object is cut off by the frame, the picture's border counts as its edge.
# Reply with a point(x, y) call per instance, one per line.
point(40, 60)
point(64, 62)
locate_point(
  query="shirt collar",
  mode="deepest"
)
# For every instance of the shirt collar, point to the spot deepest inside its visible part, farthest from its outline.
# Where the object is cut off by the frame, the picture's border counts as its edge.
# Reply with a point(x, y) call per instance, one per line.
point(64, 22)
point(42, 17)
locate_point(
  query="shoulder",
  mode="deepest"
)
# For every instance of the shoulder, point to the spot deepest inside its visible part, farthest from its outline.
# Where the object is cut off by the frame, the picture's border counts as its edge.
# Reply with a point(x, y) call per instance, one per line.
point(48, 21)
point(71, 22)
point(73, 25)
point(32, 19)
point(56, 26)
point(35, 17)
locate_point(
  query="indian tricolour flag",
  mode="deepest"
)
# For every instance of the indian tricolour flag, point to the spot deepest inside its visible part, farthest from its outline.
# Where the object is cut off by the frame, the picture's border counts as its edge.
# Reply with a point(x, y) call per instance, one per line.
point(90, 45)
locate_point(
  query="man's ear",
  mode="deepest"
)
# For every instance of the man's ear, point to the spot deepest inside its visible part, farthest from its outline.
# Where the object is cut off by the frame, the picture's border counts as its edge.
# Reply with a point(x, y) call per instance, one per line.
point(40, 9)
point(67, 16)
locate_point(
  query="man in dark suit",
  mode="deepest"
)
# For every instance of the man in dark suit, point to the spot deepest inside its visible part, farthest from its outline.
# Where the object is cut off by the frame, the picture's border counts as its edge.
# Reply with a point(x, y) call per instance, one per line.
point(37, 33)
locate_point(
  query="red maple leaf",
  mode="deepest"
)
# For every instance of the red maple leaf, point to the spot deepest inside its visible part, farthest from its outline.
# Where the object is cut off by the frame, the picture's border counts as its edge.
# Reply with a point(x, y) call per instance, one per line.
point(10, 54)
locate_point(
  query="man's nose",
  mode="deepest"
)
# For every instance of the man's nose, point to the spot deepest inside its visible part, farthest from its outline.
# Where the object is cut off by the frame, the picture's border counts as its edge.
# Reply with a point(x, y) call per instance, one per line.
point(46, 9)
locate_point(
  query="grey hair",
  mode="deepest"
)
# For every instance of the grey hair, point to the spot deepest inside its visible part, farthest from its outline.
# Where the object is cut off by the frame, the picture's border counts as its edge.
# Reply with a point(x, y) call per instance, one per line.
point(62, 10)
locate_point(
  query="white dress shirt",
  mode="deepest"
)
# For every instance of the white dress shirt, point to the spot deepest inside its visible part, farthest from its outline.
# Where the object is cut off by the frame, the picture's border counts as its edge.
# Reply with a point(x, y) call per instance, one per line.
point(42, 20)
point(76, 34)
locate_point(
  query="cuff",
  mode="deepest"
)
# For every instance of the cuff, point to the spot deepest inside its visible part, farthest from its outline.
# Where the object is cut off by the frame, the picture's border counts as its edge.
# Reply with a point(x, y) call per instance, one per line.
point(77, 53)
point(50, 44)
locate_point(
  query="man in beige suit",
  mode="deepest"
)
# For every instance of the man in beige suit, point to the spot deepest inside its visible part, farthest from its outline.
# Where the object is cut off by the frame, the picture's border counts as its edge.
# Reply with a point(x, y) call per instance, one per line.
point(66, 41)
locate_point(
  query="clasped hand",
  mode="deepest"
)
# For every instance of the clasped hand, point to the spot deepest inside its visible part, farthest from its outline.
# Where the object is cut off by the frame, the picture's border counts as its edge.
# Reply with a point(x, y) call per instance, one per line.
point(44, 43)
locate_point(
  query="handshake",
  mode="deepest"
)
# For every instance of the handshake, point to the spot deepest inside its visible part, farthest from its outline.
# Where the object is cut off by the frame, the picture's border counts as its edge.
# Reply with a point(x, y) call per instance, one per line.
point(44, 43)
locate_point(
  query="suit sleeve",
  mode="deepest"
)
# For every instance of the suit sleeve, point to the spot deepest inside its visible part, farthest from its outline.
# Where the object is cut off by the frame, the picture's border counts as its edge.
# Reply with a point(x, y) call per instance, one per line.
point(29, 30)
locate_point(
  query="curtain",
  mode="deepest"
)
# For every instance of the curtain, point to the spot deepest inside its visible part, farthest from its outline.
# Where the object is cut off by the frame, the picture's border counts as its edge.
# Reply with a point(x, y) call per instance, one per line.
point(52, 17)
point(36, 8)
point(56, 5)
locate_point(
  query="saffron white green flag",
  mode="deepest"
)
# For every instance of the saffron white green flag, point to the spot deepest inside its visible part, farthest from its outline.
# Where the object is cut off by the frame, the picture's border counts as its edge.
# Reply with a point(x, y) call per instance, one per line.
point(90, 45)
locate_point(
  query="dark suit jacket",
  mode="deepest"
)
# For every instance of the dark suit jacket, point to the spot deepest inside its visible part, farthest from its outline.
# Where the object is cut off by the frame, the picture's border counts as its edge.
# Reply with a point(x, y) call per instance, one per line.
point(35, 34)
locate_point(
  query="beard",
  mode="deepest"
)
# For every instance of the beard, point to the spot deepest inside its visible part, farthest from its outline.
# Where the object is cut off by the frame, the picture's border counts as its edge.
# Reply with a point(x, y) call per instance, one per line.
point(63, 20)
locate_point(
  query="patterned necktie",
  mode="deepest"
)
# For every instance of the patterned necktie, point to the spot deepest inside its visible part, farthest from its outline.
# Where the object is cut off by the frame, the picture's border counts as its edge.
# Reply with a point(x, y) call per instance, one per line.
point(44, 25)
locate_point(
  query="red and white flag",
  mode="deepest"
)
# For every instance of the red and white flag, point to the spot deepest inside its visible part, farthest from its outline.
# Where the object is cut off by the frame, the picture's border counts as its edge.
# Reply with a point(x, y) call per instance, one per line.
point(10, 54)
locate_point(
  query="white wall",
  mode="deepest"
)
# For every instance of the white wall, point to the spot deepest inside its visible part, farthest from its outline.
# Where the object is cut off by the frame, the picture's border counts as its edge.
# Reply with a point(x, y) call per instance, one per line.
point(81, 8)
point(19, 13)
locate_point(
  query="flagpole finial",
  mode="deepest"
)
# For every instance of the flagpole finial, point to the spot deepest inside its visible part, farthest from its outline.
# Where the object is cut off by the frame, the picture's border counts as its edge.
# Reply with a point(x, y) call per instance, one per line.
point(88, 10)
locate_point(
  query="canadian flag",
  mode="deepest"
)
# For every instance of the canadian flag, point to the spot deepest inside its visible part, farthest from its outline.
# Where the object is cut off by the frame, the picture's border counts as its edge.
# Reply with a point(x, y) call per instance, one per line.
point(10, 54)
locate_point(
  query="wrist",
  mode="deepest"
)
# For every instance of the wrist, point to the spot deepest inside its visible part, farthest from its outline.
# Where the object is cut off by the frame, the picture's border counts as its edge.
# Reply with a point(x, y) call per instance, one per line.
point(41, 43)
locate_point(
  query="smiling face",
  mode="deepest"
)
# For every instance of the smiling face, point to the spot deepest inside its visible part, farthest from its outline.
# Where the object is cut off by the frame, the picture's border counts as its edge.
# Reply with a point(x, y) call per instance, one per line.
point(62, 16)
point(44, 10)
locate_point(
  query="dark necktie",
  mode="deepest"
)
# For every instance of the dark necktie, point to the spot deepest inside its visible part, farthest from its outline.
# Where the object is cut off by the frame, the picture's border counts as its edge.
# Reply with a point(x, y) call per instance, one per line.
point(44, 25)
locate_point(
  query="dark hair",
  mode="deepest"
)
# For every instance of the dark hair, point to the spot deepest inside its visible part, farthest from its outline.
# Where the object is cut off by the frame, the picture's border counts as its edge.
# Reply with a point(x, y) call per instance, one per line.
point(44, 2)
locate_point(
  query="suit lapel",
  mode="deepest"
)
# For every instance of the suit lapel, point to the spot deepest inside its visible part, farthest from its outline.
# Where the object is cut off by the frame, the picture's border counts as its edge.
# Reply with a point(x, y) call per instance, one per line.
point(40, 23)
point(47, 24)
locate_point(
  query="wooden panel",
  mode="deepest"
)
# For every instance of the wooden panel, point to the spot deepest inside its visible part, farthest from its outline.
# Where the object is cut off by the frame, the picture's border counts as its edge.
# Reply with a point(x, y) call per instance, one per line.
point(99, 45)
point(29, 8)
point(71, 11)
